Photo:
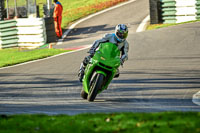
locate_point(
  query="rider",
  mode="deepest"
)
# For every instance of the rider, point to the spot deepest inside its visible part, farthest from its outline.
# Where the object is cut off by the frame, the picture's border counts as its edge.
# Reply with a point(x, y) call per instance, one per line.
point(118, 38)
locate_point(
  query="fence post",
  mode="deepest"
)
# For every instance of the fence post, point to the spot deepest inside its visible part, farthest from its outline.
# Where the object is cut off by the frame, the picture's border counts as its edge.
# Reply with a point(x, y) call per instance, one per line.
point(155, 11)
point(50, 30)
point(2, 9)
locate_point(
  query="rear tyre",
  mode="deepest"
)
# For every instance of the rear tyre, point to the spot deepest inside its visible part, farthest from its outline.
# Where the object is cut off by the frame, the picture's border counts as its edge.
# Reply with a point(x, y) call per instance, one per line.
point(95, 85)
point(84, 95)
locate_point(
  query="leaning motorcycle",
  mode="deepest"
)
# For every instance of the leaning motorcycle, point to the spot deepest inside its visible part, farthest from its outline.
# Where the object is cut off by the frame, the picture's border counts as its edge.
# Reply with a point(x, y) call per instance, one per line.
point(100, 71)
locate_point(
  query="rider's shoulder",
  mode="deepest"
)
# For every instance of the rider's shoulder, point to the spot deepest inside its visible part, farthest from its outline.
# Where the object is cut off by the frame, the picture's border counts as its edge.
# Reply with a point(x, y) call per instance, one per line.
point(108, 35)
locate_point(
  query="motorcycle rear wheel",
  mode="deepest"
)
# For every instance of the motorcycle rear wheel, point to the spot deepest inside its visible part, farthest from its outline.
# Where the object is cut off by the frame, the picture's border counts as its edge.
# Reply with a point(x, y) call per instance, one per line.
point(96, 84)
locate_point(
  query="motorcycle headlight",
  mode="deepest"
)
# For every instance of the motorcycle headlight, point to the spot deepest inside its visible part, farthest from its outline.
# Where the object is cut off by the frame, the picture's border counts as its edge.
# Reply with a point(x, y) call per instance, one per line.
point(103, 58)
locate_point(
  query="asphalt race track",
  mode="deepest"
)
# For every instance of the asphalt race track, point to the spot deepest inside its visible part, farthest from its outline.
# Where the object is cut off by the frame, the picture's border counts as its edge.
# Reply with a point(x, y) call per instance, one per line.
point(162, 73)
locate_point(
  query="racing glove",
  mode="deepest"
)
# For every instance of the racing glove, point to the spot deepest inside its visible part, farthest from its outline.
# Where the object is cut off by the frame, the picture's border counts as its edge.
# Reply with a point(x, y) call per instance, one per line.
point(91, 52)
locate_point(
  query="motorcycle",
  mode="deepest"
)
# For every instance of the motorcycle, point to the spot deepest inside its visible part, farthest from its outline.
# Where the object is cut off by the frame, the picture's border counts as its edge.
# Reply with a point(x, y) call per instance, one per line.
point(100, 71)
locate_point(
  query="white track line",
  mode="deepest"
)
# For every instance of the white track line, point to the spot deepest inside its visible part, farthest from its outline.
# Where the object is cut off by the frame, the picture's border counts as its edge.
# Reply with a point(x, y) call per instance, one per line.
point(60, 41)
point(143, 25)
point(196, 98)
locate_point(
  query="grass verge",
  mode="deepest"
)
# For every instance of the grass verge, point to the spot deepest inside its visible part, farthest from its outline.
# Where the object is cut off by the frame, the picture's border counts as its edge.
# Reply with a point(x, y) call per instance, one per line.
point(157, 26)
point(165, 122)
point(10, 57)
point(74, 10)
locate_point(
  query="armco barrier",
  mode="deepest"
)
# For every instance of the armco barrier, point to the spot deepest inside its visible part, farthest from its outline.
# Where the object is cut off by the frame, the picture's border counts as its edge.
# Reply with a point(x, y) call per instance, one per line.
point(176, 11)
point(8, 34)
point(25, 32)
point(198, 9)
point(31, 32)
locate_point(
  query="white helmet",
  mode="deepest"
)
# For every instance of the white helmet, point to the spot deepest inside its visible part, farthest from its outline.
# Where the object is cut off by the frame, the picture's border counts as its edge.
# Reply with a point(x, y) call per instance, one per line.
point(121, 32)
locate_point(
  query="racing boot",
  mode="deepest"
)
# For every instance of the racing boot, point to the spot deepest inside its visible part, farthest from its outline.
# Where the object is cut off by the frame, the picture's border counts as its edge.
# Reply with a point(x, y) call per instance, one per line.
point(81, 72)
point(82, 67)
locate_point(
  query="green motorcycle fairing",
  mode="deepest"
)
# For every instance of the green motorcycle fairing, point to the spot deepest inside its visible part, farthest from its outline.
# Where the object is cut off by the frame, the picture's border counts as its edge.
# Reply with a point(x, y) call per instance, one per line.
point(105, 61)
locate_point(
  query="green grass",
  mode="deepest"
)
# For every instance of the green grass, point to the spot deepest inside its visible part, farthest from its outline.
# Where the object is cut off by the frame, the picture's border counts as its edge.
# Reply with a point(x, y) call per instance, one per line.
point(157, 26)
point(10, 57)
point(77, 9)
point(166, 122)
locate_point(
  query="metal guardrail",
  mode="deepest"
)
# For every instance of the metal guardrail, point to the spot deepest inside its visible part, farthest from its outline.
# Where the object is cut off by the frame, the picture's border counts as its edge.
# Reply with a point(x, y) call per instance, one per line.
point(176, 11)
point(24, 32)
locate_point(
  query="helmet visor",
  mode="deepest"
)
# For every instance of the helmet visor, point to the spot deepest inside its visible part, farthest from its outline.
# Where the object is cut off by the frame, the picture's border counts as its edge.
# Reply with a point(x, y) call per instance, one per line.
point(122, 35)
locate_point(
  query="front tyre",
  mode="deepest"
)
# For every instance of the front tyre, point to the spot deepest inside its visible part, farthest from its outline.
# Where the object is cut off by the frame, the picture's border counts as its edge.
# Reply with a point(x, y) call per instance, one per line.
point(95, 85)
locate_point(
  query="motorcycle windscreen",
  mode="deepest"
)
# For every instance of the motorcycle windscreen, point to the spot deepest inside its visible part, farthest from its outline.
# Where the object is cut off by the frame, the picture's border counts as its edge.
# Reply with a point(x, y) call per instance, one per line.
point(108, 54)
point(109, 50)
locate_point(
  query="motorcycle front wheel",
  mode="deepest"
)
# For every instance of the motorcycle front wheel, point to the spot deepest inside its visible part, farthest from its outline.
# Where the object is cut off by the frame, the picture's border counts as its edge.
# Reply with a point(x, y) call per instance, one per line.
point(95, 85)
